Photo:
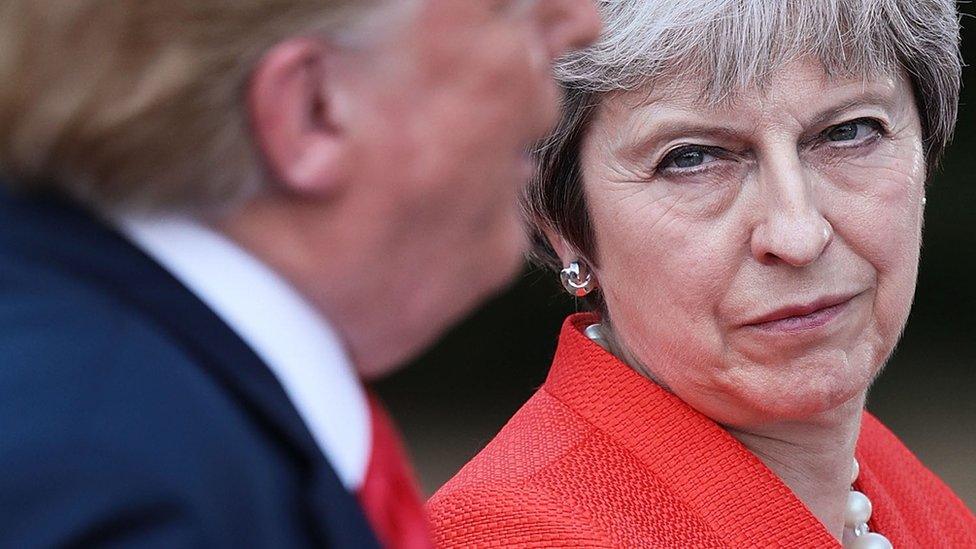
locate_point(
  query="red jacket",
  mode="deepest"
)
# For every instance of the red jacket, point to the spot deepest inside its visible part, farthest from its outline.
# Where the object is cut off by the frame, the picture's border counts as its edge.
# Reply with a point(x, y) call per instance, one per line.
point(601, 457)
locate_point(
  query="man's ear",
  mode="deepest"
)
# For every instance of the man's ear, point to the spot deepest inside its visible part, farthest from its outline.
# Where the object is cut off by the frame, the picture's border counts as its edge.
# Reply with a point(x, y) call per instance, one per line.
point(291, 104)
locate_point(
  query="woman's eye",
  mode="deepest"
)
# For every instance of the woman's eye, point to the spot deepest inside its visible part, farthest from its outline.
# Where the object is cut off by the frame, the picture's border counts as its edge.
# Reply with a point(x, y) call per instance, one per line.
point(855, 130)
point(686, 158)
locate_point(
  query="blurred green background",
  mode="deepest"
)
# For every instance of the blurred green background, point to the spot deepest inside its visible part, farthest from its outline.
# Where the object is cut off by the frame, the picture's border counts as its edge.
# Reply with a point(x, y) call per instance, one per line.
point(452, 400)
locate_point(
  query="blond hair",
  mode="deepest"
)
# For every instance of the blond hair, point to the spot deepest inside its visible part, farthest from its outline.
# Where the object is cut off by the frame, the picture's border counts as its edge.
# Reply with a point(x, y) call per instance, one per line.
point(141, 103)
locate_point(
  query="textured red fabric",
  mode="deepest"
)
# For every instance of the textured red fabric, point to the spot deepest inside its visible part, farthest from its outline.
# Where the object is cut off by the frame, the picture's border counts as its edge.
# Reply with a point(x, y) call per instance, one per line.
point(601, 457)
point(389, 494)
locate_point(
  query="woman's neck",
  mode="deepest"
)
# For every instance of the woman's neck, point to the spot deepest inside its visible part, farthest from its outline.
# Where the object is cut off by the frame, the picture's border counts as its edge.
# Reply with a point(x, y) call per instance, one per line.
point(814, 458)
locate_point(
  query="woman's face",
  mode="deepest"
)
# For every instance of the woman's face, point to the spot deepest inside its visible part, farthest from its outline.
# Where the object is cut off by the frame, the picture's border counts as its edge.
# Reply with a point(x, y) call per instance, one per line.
point(759, 257)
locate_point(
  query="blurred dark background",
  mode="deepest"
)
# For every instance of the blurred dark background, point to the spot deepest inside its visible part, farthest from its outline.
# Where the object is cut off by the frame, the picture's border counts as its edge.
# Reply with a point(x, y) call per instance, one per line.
point(456, 397)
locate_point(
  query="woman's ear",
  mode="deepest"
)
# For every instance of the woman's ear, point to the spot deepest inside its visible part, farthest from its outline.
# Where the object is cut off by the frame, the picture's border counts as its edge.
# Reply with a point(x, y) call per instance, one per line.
point(291, 103)
point(575, 273)
point(566, 251)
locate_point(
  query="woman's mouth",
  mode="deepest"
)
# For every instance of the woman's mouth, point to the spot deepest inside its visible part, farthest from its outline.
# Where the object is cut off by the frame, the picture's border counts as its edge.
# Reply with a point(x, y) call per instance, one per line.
point(798, 318)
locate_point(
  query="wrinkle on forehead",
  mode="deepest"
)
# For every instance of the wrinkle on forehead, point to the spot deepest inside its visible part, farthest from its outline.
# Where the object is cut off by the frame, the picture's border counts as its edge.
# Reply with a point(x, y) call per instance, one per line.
point(691, 88)
point(803, 91)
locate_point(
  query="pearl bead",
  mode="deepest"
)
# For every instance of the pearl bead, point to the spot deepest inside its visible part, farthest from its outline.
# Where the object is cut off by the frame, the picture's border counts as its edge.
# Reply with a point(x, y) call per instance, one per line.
point(858, 509)
point(855, 471)
point(595, 333)
point(870, 541)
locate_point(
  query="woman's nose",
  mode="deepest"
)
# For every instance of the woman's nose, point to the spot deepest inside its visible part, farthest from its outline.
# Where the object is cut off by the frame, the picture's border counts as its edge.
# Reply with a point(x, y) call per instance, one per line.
point(791, 227)
point(568, 24)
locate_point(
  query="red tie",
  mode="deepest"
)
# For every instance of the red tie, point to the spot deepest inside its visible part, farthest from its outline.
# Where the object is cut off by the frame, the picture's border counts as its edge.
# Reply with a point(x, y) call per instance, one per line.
point(389, 494)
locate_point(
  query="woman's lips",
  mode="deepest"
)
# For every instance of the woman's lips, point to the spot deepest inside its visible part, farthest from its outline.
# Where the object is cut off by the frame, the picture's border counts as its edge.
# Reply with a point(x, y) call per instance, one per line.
point(797, 318)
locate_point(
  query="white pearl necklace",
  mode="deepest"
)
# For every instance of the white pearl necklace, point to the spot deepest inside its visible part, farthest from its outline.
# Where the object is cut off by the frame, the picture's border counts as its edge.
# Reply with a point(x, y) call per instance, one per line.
point(858, 510)
point(856, 517)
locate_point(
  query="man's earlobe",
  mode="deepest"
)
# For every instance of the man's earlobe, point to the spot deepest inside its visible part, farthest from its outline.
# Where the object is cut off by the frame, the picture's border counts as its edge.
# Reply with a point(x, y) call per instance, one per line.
point(291, 113)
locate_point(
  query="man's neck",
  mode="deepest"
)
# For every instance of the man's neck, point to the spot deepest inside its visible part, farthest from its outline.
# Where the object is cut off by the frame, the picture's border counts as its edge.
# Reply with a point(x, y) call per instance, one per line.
point(338, 267)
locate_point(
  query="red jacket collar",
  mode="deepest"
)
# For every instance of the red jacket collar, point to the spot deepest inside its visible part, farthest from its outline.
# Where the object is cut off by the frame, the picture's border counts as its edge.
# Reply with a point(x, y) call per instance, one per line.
point(705, 466)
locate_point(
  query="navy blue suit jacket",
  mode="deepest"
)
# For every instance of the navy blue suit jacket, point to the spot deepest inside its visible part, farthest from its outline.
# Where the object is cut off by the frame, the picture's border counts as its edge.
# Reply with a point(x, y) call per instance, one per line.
point(130, 415)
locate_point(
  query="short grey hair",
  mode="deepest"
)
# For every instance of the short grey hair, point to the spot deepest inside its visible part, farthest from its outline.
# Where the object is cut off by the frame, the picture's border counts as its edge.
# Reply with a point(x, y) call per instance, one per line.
point(141, 104)
point(732, 45)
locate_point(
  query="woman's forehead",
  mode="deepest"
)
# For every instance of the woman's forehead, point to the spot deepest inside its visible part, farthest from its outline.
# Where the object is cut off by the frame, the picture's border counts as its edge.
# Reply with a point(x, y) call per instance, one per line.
point(803, 97)
point(696, 86)
point(803, 81)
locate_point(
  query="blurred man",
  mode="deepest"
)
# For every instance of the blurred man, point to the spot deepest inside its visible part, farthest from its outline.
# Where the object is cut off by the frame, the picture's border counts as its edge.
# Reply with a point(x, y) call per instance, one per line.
point(220, 216)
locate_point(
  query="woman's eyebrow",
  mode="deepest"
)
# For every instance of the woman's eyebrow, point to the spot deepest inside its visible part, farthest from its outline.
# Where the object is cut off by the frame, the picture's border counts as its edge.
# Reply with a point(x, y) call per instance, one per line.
point(874, 99)
point(643, 140)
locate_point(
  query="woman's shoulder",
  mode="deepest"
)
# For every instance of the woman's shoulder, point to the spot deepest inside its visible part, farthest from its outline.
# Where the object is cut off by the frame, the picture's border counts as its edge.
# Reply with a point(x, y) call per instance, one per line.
point(497, 499)
point(505, 515)
point(541, 432)
point(910, 500)
point(551, 479)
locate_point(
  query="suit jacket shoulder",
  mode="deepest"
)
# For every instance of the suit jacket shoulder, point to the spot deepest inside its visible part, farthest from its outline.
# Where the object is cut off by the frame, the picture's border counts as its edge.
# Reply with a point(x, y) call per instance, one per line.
point(102, 406)
point(131, 414)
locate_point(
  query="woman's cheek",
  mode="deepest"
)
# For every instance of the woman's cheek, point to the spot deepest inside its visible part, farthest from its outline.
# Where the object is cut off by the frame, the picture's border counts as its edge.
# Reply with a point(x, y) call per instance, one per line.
point(877, 212)
point(892, 176)
point(707, 195)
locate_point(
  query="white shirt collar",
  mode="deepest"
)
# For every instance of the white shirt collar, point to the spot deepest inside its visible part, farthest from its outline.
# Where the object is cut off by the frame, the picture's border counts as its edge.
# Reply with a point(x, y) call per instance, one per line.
point(292, 339)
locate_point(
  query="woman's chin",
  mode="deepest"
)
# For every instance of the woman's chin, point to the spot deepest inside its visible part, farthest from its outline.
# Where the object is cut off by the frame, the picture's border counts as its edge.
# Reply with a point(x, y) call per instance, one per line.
point(771, 399)
point(809, 386)
point(812, 404)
